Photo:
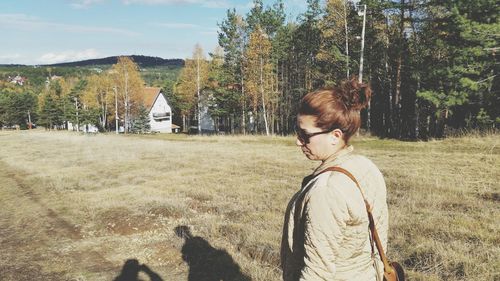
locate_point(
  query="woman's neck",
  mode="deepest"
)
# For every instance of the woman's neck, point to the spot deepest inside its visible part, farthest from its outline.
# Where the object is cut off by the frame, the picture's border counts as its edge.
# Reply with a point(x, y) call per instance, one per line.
point(339, 147)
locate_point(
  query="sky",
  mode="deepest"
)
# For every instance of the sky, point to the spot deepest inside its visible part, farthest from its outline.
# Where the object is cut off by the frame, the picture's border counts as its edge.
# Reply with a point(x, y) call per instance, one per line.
point(36, 32)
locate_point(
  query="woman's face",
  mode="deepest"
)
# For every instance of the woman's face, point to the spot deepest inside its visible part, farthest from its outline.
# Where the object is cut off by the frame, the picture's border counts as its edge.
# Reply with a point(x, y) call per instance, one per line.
point(314, 146)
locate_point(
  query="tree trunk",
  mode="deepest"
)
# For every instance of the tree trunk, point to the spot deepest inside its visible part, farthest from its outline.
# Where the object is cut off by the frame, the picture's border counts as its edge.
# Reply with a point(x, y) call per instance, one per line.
point(399, 64)
point(198, 93)
point(184, 127)
point(262, 95)
point(244, 107)
point(126, 103)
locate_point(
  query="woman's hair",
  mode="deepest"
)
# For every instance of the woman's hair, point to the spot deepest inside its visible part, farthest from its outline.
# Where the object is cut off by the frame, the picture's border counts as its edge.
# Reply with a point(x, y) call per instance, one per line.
point(338, 107)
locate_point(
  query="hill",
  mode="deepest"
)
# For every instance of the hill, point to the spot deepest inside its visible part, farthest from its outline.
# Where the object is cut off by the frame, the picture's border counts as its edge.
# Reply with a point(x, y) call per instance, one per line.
point(154, 70)
point(142, 61)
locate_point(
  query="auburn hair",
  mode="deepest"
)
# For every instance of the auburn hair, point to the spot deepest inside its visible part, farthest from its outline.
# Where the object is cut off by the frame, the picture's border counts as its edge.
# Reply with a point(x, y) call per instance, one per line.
point(338, 107)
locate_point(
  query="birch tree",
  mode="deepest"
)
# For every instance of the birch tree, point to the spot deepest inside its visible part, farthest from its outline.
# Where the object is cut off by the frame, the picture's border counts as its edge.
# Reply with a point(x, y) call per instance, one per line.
point(129, 85)
point(99, 96)
point(201, 76)
point(259, 72)
point(190, 84)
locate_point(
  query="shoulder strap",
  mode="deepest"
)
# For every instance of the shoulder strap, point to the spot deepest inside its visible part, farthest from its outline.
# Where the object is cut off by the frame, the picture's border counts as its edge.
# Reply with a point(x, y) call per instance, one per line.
point(387, 267)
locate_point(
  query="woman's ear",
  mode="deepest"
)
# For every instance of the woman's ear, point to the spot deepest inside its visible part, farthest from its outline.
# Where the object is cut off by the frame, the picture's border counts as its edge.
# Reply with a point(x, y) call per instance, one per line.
point(335, 136)
point(338, 133)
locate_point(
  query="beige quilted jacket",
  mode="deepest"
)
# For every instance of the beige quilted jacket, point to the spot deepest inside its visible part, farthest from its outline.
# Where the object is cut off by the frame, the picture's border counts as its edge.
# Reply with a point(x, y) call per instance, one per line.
point(326, 235)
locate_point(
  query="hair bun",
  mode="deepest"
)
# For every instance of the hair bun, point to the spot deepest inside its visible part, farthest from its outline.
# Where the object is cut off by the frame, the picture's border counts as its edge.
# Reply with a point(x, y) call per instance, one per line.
point(354, 95)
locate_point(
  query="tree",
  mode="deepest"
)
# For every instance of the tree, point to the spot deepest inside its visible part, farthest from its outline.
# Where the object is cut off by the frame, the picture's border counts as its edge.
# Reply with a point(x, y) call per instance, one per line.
point(75, 106)
point(333, 54)
point(190, 84)
point(224, 101)
point(16, 104)
point(200, 78)
point(51, 106)
point(141, 123)
point(98, 97)
point(308, 40)
point(232, 39)
point(185, 91)
point(129, 86)
point(258, 72)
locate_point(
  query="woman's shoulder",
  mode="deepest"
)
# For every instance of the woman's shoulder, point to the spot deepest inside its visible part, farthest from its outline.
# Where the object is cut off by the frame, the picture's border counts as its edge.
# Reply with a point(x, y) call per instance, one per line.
point(330, 185)
point(360, 164)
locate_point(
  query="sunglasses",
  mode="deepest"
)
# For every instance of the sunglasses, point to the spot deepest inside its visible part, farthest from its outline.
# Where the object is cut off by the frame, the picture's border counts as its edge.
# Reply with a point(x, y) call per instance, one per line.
point(305, 137)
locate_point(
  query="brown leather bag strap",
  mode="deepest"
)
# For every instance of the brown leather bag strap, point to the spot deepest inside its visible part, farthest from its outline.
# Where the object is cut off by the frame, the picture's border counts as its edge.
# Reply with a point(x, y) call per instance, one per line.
point(387, 267)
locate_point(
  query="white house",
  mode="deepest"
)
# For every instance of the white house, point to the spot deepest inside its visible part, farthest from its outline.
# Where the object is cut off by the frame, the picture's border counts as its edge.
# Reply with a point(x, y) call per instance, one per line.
point(86, 128)
point(160, 113)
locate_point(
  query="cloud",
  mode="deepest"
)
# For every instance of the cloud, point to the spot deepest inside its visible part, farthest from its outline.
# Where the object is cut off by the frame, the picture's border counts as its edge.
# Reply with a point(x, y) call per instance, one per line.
point(247, 6)
point(84, 4)
point(10, 58)
point(203, 3)
point(209, 33)
point(177, 25)
point(212, 31)
point(25, 22)
point(68, 56)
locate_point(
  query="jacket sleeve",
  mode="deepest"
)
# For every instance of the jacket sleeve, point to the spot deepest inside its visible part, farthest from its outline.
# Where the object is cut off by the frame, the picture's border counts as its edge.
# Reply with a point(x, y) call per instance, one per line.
point(326, 213)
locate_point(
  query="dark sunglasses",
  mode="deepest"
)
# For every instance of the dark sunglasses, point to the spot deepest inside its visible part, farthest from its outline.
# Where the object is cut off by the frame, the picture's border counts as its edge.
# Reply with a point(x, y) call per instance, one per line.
point(304, 137)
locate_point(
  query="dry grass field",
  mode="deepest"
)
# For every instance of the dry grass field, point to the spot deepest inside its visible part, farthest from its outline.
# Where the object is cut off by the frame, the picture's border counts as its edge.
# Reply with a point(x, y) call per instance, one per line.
point(77, 207)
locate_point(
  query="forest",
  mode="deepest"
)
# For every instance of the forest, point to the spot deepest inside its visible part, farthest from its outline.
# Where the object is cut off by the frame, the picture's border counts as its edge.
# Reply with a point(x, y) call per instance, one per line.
point(432, 66)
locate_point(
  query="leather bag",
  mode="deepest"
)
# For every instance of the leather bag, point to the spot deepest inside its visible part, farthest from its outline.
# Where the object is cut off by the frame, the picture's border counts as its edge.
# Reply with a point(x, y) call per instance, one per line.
point(393, 271)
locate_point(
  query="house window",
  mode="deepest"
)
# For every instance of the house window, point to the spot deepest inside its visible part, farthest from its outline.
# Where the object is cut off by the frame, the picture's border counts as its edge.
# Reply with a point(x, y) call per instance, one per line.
point(161, 116)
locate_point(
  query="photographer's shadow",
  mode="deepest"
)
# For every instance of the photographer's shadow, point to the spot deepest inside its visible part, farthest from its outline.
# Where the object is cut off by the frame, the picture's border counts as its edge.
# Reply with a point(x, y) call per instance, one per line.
point(207, 263)
point(131, 269)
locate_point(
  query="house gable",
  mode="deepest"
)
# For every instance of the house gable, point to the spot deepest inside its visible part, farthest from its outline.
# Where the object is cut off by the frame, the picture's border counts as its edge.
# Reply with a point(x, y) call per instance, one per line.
point(159, 111)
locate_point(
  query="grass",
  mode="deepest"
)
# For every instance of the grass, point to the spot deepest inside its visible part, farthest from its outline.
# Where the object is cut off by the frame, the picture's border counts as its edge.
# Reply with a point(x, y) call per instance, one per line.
point(76, 207)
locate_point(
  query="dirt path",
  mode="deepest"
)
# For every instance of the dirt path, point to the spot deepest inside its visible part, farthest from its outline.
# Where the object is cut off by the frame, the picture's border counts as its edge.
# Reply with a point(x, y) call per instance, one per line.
point(31, 235)
point(38, 243)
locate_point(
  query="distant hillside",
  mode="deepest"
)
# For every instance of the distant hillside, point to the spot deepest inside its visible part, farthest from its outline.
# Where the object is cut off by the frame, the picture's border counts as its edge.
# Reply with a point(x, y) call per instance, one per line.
point(142, 61)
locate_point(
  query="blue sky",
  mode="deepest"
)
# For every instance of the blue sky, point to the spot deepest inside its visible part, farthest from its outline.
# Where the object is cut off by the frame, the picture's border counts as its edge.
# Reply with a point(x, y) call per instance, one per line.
point(51, 31)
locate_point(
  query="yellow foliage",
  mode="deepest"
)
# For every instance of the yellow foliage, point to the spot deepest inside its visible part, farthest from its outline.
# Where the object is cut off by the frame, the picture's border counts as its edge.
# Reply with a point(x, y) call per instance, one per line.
point(258, 68)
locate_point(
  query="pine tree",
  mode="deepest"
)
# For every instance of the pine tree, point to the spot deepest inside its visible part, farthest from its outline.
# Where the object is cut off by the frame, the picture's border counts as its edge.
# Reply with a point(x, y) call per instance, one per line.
point(232, 39)
point(141, 123)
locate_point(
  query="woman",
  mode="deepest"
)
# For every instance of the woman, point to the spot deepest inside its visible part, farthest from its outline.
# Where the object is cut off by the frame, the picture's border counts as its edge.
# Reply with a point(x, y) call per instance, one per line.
point(326, 234)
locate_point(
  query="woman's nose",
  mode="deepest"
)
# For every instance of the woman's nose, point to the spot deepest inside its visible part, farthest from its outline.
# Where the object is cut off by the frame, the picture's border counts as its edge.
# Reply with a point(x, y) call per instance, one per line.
point(298, 142)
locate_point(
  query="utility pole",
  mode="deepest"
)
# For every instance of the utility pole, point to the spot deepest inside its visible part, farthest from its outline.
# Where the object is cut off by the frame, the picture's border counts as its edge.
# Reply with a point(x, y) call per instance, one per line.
point(198, 91)
point(126, 119)
point(360, 77)
point(346, 39)
point(29, 120)
point(116, 110)
point(77, 121)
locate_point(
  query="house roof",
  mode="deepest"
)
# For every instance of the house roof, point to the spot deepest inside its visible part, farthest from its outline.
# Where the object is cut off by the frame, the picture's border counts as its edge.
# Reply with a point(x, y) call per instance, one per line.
point(150, 96)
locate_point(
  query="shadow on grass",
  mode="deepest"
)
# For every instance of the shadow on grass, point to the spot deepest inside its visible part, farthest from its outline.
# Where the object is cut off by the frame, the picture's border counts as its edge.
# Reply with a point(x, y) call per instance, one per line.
point(207, 263)
point(131, 269)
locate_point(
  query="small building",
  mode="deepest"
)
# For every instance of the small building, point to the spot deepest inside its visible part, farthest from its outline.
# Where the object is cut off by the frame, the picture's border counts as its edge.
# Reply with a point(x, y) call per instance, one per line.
point(160, 112)
point(19, 80)
point(86, 128)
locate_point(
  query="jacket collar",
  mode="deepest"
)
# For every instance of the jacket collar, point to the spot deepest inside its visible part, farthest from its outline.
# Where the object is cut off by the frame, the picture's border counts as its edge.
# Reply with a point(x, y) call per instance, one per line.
point(335, 159)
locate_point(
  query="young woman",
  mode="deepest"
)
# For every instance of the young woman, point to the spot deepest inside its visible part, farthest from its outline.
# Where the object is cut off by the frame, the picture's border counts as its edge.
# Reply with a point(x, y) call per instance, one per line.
point(326, 234)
